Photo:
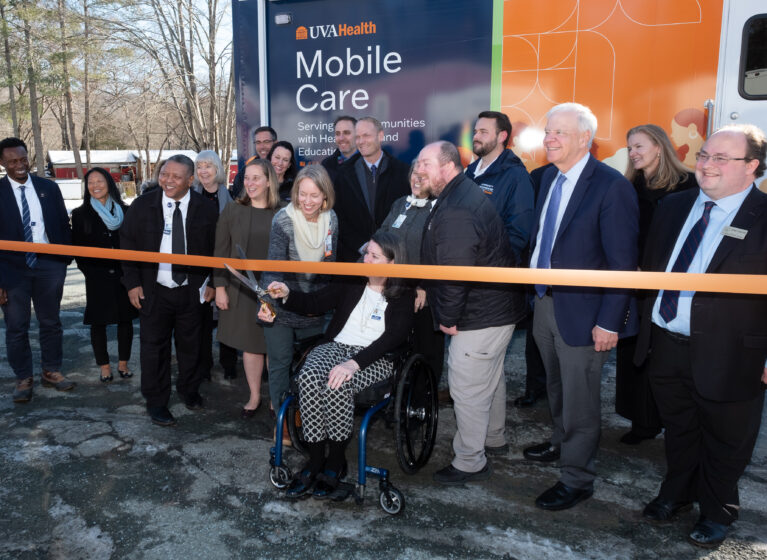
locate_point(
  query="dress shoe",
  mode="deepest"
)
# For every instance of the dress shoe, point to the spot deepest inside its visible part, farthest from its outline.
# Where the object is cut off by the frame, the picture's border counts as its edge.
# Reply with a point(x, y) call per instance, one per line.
point(498, 450)
point(302, 485)
point(325, 484)
point(560, 496)
point(707, 533)
point(125, 374)
point(633, 438)
point(663, 511)
point(529, 398)
point(54, 379)
point(161, 416)
point(193, 401)
point(23, 391)
point(248, 412)
point(544, 452)
point(450, 476)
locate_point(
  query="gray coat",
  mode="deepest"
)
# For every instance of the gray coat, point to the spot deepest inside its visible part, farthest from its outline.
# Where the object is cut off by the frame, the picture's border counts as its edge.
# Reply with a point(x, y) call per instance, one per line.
point(282, 247)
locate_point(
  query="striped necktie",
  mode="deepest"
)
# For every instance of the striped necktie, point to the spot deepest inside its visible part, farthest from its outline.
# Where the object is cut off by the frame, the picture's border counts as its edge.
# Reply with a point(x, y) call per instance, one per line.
point(670, 298)
point(547, 236)
point(31, 258)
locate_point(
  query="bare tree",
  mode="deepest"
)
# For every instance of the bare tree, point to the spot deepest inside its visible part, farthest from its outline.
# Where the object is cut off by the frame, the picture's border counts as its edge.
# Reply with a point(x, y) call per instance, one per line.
point(65, 60)
point(9, 68)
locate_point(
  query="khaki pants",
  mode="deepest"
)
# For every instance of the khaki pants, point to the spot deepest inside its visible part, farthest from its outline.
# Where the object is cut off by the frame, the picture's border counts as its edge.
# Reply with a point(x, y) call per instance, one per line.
point(478, 388)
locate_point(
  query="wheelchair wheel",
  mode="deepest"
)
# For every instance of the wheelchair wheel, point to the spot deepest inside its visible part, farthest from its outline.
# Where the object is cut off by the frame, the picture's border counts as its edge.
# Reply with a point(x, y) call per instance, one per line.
point(280, 477)
point(392, 501)
point(295, 427)
point(415, 414)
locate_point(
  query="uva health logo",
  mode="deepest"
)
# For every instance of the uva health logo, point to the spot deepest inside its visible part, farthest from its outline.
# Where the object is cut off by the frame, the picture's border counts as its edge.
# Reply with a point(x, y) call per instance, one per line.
point(333, 30)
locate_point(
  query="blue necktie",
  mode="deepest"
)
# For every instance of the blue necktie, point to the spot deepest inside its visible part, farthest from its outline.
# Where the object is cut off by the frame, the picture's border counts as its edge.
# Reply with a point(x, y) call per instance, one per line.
point(31, 258)
point(670, 298)
point(549, 225)
point(373, 170)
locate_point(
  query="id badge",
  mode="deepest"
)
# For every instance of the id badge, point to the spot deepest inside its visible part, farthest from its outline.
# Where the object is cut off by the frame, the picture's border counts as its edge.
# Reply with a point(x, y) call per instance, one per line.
point(328, 244)
point(398, 222)
point(167, 229)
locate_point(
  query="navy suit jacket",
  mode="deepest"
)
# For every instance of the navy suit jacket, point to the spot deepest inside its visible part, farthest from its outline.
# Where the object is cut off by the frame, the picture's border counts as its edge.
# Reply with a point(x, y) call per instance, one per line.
point(55, 217)
point(598, 231)
point(728, 332)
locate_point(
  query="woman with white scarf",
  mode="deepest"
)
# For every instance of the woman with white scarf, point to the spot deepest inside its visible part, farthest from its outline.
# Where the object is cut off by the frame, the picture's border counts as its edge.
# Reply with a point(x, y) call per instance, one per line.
point(96, 223)
point(305, 230)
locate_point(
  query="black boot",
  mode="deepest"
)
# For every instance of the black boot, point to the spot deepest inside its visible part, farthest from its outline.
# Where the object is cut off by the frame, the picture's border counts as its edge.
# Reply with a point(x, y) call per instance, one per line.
point(302, 485)
point(335, 469)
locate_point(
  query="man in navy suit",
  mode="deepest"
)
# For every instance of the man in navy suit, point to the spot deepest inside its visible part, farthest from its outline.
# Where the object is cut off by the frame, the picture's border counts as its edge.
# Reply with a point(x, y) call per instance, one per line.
point(586, 218)
point(31, 209)
point(707, 365)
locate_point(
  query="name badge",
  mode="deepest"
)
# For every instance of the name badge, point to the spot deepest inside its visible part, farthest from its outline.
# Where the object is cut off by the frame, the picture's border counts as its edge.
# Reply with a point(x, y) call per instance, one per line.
point(375, 316)
point(487, 189)
point(329, 243)
point(735, 232)
point(167, 229)
point(398, 222)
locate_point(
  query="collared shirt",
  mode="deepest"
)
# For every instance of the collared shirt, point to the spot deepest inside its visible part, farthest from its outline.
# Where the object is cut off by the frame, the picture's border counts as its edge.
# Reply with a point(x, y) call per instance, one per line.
point(377, 163)
point(480, 170)
point(35, 208)
point(571, 179)
point(164, 275)
point(721, 217)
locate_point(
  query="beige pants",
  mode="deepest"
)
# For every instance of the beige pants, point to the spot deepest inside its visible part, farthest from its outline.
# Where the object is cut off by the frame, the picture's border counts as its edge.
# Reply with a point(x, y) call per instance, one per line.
point(478, 388)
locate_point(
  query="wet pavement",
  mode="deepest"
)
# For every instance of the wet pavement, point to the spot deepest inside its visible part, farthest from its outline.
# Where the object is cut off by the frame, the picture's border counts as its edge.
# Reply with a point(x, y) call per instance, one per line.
point(86, 475)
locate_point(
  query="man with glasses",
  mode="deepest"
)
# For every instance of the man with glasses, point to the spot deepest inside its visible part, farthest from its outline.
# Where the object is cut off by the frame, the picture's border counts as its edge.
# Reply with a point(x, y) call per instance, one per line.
point(707, 365)
point(586, 218)
point(264, 138)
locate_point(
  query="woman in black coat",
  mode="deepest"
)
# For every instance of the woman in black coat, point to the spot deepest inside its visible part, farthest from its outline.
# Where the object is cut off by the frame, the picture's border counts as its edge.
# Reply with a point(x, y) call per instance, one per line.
point(96, 223)
point(655, 171)
point(372, 316)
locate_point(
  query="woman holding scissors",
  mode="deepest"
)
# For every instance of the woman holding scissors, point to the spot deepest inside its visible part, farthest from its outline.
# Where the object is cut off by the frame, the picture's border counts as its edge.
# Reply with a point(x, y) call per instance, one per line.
point(246, 224)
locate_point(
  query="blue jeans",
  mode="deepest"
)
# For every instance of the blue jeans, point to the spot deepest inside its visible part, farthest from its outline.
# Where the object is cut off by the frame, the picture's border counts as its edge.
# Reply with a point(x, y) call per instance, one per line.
point(43, 287)
point(279, 351)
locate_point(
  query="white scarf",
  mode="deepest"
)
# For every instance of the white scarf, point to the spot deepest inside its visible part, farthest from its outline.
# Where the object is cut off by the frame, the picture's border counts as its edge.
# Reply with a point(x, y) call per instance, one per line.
point(310, 241)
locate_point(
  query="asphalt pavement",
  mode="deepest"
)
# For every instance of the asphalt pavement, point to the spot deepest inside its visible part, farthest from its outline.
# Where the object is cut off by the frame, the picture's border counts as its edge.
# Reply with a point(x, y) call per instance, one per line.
point(85, 475)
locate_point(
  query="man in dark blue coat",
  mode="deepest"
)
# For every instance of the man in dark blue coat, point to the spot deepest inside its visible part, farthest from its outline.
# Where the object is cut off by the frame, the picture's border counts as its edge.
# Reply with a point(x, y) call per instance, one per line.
point(586, 218)
point(503, 178)
point(31, 209)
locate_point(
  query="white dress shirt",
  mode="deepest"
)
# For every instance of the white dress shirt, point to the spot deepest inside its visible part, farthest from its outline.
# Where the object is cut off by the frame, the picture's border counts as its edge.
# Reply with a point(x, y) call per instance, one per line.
point(35, 209)
point(164, 275)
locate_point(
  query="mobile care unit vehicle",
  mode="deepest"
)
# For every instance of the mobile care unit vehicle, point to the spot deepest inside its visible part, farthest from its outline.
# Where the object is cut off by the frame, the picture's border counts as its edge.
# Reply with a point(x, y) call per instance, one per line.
point(425, 68)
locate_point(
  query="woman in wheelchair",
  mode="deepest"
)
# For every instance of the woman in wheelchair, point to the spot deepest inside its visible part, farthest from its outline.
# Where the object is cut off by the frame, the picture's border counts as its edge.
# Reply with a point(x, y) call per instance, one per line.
point(372, 316)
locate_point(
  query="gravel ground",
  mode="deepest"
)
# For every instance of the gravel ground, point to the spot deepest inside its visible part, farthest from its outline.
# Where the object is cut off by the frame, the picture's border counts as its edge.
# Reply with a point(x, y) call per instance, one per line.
point(86, 475)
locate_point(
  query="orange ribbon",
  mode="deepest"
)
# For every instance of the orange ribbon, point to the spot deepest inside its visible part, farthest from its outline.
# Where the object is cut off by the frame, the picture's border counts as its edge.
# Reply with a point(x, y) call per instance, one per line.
point(724, 283)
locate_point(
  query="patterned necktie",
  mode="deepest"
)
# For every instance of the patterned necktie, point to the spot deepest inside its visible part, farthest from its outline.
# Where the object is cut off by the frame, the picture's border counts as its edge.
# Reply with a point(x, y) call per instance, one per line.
point(670, 298)
point(178, 245)
point(547, 236)
point(31, 258)
point(373, 170)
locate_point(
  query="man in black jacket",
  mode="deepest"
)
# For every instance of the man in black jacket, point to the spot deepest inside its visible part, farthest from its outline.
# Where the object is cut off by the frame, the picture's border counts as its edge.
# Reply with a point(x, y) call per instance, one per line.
point(173, 219)
point(366, 187)
point(464, 229)
point(346, 142)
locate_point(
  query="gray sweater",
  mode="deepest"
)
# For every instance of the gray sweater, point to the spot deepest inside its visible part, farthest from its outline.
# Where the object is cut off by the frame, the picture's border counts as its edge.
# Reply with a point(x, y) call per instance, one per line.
point(282, 247)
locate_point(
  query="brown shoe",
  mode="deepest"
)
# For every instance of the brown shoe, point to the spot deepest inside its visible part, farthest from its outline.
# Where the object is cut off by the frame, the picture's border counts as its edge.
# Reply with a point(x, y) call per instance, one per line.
point(23, 391)
point(54, 379)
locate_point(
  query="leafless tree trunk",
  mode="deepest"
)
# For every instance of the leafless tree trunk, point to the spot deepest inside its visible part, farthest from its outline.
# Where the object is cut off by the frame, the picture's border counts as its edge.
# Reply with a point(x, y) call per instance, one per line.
point(9, 70)
point(68, 93)
point(86, 87)
point(33, 108)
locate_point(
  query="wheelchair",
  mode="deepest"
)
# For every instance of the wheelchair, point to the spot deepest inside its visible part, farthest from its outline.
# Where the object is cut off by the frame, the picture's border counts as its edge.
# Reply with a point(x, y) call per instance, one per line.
point(407, 401)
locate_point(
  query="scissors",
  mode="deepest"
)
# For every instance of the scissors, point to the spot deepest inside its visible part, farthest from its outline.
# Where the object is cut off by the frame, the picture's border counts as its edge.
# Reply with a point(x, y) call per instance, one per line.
point(251, 282)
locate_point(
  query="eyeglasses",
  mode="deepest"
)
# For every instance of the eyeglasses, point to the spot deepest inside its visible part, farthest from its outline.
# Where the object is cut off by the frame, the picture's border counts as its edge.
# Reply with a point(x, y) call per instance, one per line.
point(716, 159)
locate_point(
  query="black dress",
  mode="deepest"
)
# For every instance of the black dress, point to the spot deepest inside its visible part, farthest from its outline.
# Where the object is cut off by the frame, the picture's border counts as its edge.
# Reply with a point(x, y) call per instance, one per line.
point(106, 300)
point(633, 397)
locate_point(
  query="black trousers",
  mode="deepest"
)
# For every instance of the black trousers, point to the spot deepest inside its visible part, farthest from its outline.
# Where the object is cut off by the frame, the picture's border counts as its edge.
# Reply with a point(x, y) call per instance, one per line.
point(633, 395)
point(124, 342)
point(708, 443)
point(227, 356)
point(429, 342)
point(173, 316)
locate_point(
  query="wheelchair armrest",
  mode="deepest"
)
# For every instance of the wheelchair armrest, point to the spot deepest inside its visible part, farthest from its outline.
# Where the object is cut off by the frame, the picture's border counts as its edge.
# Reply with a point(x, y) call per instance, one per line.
point(398, 352)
